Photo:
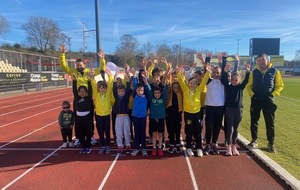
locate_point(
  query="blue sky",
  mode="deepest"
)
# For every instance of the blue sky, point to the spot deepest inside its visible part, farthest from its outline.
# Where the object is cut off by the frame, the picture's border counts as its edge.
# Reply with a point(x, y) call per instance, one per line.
point(198, 24)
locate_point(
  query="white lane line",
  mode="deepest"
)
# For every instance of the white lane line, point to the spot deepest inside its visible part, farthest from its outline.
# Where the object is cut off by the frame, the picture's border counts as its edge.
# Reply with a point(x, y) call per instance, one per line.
point(33, 95)
point(27, 171)
point(33, 99)
point(30, 107)
point(187, 159)
point(28, 134)
point(108, 172)
point(1, 126)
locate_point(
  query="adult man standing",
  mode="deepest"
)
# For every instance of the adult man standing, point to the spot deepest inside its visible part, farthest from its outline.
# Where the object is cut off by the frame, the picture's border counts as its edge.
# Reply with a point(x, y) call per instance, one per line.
point(80, 73)
point(265, 82)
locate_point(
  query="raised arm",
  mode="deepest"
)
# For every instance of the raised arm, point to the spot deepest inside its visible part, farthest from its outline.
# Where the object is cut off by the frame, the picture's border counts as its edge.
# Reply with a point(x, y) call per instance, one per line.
point(246, 79)
point(102, 65)
point(63, 63)
point(236, 63)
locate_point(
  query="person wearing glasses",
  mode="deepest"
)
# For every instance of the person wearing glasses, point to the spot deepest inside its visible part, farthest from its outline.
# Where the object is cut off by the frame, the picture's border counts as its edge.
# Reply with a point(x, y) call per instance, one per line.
point(66, 120)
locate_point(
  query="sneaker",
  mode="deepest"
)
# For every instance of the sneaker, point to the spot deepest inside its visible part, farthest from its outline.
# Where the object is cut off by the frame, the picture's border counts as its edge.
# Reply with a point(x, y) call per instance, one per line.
point(206, 150)
point(71, 144)
point(199, 153)
point(171, 149)
point(235, 152)
point(134, 152)
point(253, 144)
point(82, 151)
point(144, 152)
point(64, 145)
point(160, 152)
point(120, 149)
point(215, 151)
point(107, 150)
point(178, 149)
point(77, 143)
point(127, 148)
point(154, 152)
point(163, 146)
point(189, 152)
point(93, 141)
point(102, 150)
point(271, 148)
point(88, 150)
point(229, 151)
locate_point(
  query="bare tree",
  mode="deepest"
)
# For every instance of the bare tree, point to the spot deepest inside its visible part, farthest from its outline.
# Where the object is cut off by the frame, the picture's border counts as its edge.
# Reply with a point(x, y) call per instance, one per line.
point(164, 50)
point(297, 55)
point(128, 49)
point(4, 25)
point(42, 32)
point(148, 49)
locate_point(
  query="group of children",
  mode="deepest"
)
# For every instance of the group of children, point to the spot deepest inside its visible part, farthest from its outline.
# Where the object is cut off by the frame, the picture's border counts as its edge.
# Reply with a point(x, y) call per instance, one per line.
point(160, 98)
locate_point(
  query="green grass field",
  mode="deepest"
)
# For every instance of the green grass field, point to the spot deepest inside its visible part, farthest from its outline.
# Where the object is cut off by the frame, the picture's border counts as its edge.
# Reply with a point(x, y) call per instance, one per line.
point(287, 131)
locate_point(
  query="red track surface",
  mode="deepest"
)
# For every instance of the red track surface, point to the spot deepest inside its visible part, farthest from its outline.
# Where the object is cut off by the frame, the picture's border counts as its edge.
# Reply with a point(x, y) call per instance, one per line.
point(31, 157)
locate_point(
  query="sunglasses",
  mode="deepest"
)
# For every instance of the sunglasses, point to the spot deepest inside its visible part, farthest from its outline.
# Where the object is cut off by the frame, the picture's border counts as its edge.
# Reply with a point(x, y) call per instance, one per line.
point(66, 107)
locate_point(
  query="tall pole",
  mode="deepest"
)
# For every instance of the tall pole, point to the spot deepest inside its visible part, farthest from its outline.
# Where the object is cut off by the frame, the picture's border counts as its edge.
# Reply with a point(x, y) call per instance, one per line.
point(97, 15)
point(83, 37)
point(238, 46)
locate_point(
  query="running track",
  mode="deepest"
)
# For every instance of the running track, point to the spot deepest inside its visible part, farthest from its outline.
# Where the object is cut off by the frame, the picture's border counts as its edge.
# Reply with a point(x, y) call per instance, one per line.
point(31, 157)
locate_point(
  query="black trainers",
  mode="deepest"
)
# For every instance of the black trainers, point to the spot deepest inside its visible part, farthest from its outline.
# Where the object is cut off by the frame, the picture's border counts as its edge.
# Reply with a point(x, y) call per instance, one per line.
point(253, 144)
point(178, 149)
point(88, 150)
point(82, 151)
point(215, 151)
point(206, 150)
point(271, 148)
point(171, 149)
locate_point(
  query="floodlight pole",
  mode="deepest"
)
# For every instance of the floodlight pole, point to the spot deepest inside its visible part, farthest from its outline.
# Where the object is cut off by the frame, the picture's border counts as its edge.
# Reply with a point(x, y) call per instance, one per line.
point(238, 46)
point(97, 16)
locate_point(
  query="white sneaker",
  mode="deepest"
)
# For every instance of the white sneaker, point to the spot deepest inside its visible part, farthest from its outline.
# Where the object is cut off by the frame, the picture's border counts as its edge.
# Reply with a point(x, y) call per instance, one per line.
point(189, 152)
point(76, 143)
point(64, 145)
point(199, 153)
point(93, 141)
point(229, 150)
point(71, 144)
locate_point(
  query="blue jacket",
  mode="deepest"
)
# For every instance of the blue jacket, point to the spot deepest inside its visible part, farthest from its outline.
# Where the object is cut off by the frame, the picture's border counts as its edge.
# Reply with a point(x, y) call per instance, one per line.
point(140, 104)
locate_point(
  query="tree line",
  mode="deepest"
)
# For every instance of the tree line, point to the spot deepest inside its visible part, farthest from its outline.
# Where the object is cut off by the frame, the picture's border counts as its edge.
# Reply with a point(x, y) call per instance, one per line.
point(43, 35)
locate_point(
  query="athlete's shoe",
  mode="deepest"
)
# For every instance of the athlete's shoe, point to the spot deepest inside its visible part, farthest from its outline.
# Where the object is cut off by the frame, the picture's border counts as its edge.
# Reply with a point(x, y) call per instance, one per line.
point(160, 152)
point(93, 141)
point(64, 145)
point(134, 152)
point(229, 150)
point(71, 144)
point(199, 153)
point(144, 152)
point(189, 151)
point(77, 143)
point(253, 144)
point(88, 150)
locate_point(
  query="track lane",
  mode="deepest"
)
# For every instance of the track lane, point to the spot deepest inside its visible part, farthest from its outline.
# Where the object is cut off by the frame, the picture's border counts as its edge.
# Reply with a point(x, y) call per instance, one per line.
point(160, 173)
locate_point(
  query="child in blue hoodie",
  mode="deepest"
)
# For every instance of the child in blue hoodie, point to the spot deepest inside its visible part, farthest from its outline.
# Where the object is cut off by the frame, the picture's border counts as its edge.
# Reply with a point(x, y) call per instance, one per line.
point(139, 114)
